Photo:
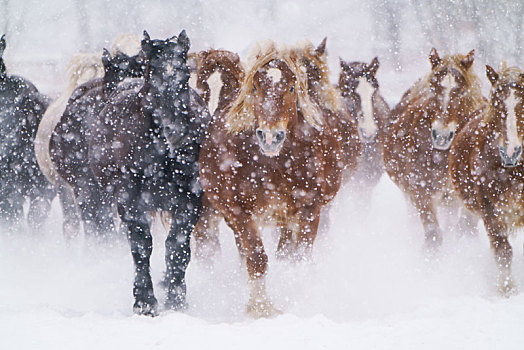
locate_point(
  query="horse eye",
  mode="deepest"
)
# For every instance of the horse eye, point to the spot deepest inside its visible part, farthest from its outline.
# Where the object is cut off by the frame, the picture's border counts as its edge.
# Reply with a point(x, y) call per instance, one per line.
point(291, 89)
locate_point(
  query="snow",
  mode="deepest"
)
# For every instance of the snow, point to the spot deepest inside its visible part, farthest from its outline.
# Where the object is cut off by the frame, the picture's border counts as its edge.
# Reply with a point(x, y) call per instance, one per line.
point(368, 286)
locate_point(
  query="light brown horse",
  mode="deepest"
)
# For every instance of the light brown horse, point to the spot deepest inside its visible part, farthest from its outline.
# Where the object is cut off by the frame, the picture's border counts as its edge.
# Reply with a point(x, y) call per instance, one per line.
point(359, 88)
point(427, 119)
point(218, 78)
point(271, 158)
point(487, 170)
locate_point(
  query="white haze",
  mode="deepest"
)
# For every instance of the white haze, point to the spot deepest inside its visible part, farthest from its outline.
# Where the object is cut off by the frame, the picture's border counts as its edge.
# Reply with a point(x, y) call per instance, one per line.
point(369, 284)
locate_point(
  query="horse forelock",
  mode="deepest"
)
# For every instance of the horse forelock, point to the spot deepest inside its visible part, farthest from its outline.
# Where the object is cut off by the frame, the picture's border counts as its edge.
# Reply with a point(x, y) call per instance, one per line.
point(421, 90)
point(241, 115)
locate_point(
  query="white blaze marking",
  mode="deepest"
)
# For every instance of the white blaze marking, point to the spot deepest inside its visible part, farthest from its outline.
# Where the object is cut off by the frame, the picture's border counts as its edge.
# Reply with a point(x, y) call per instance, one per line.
point(215, 87)
point(511, 122)
point(193, 81)
point(365, 90)
point(448, 83)
point(275, 74)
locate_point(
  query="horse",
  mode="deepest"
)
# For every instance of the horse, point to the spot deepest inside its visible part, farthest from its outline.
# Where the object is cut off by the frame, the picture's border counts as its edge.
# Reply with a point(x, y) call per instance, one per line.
point(69, 141)
point(486, 166)
point(218, 78)
point(21, 109)
point(270, 157)
point(417, 147)
point(359, 89)
point(144, 152)
point(81, 68)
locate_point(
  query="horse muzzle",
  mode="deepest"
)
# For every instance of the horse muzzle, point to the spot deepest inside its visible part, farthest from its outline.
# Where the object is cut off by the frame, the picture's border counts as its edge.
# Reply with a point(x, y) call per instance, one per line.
point(510, 160)
point(270, 141)
point(366, 136)
point(442, 139)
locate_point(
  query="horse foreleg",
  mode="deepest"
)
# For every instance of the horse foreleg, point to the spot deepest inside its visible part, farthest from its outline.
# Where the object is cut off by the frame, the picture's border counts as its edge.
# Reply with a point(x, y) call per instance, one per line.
point(178, 251)
point(96, 211)
point(71, 224)
point(141, 243)
point(467, 224)
point(250, 244)
point(308, 227)
point(498, 240)
point(205, 234)
point(428, 216)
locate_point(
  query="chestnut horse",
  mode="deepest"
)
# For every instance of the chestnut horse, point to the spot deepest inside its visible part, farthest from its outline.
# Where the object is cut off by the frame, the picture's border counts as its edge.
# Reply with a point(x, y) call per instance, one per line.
point(271, 158)
point(219, 75)
point(427, 119)
point(359, 88)
point(486, 166)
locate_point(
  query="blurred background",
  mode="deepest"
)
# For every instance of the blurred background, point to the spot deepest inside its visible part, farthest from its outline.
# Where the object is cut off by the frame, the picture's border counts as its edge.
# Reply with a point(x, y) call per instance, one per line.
point(43, 34)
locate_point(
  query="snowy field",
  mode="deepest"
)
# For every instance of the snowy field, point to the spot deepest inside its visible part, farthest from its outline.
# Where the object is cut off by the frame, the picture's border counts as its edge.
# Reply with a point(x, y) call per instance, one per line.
point(369, 285)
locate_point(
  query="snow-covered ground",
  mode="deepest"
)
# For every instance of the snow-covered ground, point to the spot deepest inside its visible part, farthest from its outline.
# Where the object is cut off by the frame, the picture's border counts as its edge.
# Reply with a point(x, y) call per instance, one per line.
point(367, 287)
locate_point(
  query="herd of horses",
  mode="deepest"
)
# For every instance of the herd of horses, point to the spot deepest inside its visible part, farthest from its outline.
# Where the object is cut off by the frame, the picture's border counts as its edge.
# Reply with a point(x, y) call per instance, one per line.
point(202, 137)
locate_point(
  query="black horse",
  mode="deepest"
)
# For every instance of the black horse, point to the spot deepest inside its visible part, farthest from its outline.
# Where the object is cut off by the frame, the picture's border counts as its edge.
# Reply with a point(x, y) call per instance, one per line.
point(69, 142)
point(21, 109)
point(144, 151)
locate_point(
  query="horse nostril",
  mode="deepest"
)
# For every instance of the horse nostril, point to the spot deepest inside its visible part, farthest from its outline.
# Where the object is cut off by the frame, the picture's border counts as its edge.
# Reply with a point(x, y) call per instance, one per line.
point(280, 136)
point(434, 133)
point(451, 135)
point(260, 135)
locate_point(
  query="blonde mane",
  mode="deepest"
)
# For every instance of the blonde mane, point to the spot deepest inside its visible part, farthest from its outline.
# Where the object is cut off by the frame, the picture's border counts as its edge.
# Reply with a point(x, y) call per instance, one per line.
point(421, 90)
point(241, 115)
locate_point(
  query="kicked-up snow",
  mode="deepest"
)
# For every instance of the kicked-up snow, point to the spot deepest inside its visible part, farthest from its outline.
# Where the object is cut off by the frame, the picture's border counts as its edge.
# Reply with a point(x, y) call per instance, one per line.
point(368, 286)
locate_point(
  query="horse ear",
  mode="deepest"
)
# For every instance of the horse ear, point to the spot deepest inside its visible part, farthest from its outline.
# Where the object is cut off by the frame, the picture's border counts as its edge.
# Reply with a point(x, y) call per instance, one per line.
point(106, 58)
point(467, 62)
point(343, 64)
point(491, 74)
point(2, 45)
point(373, 66)
point(146, 42)
point(434, 58)
point(321, 49)
point(183, 40)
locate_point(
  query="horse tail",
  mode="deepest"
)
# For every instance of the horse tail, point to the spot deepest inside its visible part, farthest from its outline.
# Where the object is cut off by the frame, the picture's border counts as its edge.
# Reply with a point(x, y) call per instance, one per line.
point(126, 43)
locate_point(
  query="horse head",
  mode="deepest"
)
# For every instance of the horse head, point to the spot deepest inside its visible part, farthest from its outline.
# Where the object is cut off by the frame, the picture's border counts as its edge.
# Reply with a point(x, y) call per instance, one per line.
point(120, 67)
point(449, 86)
point(219, 75)
point(358, 86)
point(507, 104)
point(166, 85)
point(275, 105)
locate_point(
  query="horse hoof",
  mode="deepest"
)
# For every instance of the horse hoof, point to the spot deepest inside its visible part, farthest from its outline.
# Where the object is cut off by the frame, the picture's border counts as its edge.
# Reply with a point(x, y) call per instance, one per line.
point(146, 308)
point(176, 304)
point(507, 288)
point(262, 309)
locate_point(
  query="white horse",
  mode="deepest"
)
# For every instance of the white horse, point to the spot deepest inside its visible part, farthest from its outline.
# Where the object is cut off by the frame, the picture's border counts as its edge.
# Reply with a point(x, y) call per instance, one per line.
point(82, 68)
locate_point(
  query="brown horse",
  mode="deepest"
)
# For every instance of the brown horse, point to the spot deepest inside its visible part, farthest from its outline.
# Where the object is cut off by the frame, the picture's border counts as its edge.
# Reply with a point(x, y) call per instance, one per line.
point(427, 119)
point(359, 88)
point(270, 158)
point(219, 75)
point(486, 167)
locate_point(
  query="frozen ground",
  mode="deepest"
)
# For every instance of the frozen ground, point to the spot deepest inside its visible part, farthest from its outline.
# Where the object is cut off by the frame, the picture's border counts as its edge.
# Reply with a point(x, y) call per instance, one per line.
point(368, 287)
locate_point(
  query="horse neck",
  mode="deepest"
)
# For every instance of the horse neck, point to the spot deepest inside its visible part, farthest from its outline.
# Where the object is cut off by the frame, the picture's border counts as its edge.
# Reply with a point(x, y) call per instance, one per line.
point(225, 90)
point(2, 68)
